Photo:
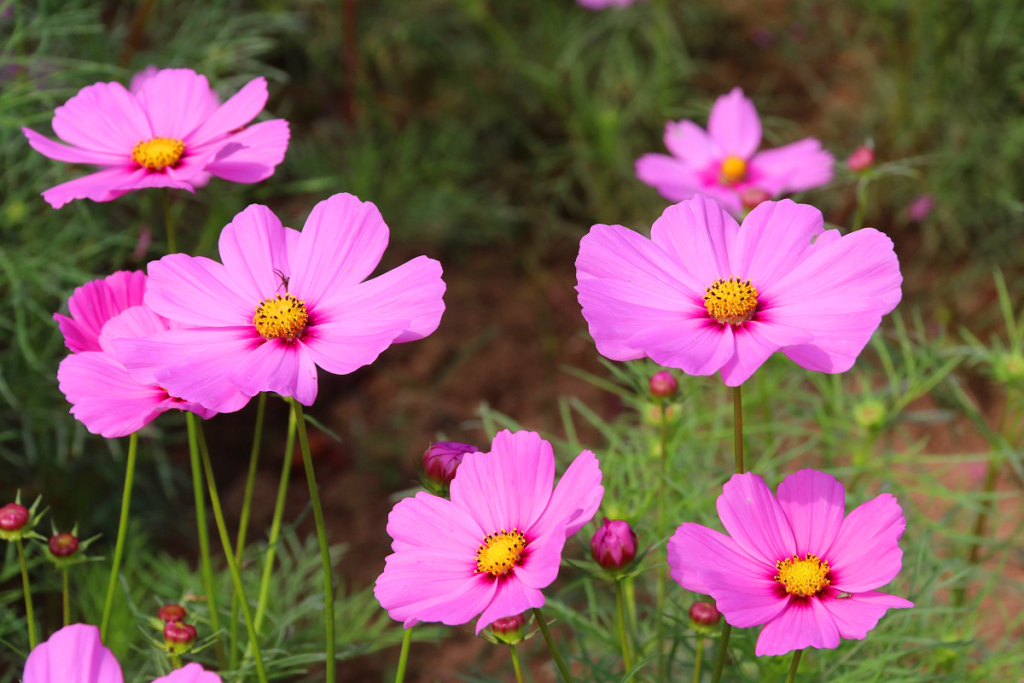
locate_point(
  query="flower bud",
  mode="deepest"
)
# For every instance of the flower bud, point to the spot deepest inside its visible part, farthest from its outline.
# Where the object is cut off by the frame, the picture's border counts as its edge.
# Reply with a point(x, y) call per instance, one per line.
point(614, 544)
point(705, 613)
point(509, 629)
point(664, 384)
point(752, 196)
point(861, 160)
point(13, 517)
point(442, 459)
point(920, 207)
point(63, 545)
point(869, 414)
point(179, 637)
point(171, 613)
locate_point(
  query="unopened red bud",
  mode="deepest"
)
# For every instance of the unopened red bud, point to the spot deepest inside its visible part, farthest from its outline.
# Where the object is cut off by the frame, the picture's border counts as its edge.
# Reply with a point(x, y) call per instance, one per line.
point(664, 384)
point(171, 613)
point(13, 517)
point(861, 160)
point(753, 196)
point(442, 459)
point(613, 546)
point(179, 634)
point(63, 545)
point(705, 613)
point(507, 625)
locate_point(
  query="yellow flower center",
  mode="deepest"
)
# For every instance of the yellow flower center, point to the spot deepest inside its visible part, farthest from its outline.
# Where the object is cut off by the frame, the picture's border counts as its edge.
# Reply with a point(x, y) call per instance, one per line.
point(731, 301)
point(158, 153)
point(281, 316)
point(805, 577)
point(500, 552)
point(734, 169)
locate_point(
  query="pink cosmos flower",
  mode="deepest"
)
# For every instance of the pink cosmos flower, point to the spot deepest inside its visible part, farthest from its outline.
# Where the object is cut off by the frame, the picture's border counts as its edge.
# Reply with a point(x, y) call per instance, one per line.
point(281, 304)
point(604, 4)
point(74, 654)
point(169, 130)
point(490, 549)
point(723, 162)
point(704, 295)
point(792, 562)
point(102, 394)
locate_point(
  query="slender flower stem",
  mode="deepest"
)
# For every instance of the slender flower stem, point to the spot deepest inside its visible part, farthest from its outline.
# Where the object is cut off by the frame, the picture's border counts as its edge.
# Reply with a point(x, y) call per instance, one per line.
point(205, 562)
point(737, 446)
point(175, 661)
point(321, 533)
point(794, 666)
point(275, 526)
point(225, 541)
point(627, 657)
point(563, 668)
point(403, 657)
point(65, 600)
point(30, 615)
point(515, 663)
point(243, 522)
point(697, 659)
point(862, 202)
point(122, 529)
point(980, 522)
point(659, 619)
point(169, 222)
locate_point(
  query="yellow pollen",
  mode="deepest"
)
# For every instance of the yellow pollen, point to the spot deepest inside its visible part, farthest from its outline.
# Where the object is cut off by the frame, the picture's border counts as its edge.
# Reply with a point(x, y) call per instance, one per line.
point(805, 577)
point(281, 316)
point(158, 153)
point(731, 301)
point(499, 553)
point(734, 169)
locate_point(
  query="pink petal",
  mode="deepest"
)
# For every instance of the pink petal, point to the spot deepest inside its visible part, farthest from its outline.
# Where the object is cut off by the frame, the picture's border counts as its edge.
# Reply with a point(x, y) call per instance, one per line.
point(774, 239)
point(690, 143)
point(694, 550)
point(74, 654)
point(814, 503)
point(103, 117)
point(735, 125)
point(132, 323)
point(96, 302)
point(699, 235)
point(804, 623)
point(418, 523)
point(542, 559)
point(176, 101)
point(675, 180)
point(73, 155)
point(198, 291)
point(264, 148)
point(280, 366)
point(254, 250)
point(511, 597)
point(859, 613)
point(190, 673)
point(755, 342)
point(697, 346)
point(866, 553)
point(140, 78)
point(106, 185)
point(575, 499)
point(795, 167)
point(239, 110)
point(341, 243)
point(755, 520)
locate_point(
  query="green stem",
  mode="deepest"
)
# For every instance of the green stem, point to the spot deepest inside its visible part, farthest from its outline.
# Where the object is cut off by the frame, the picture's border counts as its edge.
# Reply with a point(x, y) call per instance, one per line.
point(175, 661)
point(65, 600)
point(862, 201)
point(122, 529)
point(243, 522)
point(30, 615)
point(515, 663)
point(723, 649)
point(659, 619)
point(794, 666)
point(321, 533)
point(698, 658)
point(980, 522)
point(403, 657)
point(225, 541)
point(275, 526)
point(627, 658)
point(169, 222)
point(546, 632)
point(205, 562)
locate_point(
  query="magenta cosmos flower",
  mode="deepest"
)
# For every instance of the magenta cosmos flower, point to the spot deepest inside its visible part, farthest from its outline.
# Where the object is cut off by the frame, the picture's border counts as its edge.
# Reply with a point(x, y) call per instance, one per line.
point(704, 295)
point(723, 162)
point(75, 654)
point(604, 4)
point(792, 562)
point(490, 549)
point(103, 396)
point(281, 304)
point(169, 130)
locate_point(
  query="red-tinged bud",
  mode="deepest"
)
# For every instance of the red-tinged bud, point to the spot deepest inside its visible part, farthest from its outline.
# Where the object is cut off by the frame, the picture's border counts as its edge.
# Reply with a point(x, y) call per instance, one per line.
point(509, 629)
point(442, 459)
point(13, 517)
point(664, 384)
point(752, 196)
point(179, 637)
point(705, 613)
point(861, 160)
point(614, 544)
point(63, 545)
point(171, 613)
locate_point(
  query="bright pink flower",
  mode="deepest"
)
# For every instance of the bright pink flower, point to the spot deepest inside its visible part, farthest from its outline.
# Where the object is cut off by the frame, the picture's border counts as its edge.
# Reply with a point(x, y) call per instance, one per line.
point(724, 162)
point(604, 4)
point(103, 396)
point(281, 304)
point(792, 562)
point(704, 295)
point(74, 654)
point(169, 130)
point(498, 541)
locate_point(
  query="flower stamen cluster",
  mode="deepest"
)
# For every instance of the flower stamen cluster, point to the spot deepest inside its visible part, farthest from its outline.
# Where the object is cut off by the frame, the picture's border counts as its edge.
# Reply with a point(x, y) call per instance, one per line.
point(500, 552)
point(803, 577)
point(158, 153)
point(281, 317)
point(731, 301)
